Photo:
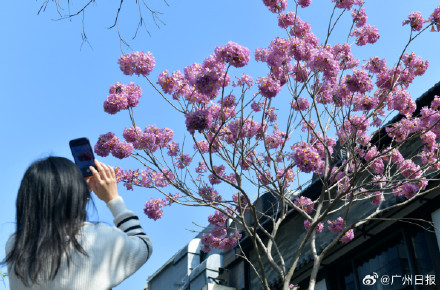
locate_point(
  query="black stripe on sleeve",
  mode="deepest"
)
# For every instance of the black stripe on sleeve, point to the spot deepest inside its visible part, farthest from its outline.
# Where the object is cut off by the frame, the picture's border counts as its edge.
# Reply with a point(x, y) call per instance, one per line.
point(146, 244)
point(141, 234)
point(132, 228)
point(126, 220)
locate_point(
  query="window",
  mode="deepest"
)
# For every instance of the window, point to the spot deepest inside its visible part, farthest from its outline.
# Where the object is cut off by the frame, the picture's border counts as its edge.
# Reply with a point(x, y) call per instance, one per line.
point(404, 254)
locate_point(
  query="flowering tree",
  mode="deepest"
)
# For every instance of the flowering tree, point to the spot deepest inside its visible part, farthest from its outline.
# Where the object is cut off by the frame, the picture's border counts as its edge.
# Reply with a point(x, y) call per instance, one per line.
point(332, 127)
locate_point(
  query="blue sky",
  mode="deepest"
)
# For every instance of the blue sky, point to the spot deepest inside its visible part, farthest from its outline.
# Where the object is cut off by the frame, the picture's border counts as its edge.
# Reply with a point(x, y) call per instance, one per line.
point(53, 90)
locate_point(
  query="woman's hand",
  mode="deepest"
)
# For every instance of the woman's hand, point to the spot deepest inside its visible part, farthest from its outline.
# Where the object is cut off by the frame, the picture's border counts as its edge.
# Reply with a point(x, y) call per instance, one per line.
point(103, 182)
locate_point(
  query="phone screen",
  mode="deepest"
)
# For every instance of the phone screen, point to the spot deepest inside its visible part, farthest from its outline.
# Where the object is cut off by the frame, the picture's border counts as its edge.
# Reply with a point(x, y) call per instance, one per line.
point(83, 155)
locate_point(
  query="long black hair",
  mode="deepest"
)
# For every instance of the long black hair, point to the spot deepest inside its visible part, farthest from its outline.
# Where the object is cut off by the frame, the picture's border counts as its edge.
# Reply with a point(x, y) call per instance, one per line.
point(51, 209)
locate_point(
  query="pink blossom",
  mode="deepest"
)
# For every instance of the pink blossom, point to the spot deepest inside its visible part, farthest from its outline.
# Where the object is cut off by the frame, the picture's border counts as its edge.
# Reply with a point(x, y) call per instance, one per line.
point(323, 60)
point(175, 84)
point(347, 237)
point(201, 168)
point(306, 157)
point(347, 4)
point(268, 86)
point(105, 144)
point(415, 20)
point(304, 203)
point(409, 169)
point(399, 131)
point(242, 128)
point(359, 81)
point(183, 160)
point(435, 104)
point(434, 18)
point(202, 146)
point(173, 148)
point(271, 114)
point(218, 219)
point(122, 150)
point(366, 34)
point(275, 140)
point(415, 63)
point(300, 72)
point(286, 19)
point(244, 80)
point(301, 104)
point(115, 103)
point(153, 208)
point(264, 177)
point(172, 198)
point(241, 201)
point(138, 62)
point(261, 54)
point(345, 57)
point(318, 229)
point(256, 106)
point(359, 17)
point(365, 103)
point(162, 179)
point(429, 138)
point(302, 30)
point(209, 194)
point(219, 170)
point(408, 190)
point(276, 6)
point(234, 54)
point(132, 134)
point(304, 3)
point(287, 174)
point(337, 225)
point(376, 65)
point(208, 82)
point(279, 52)
point(199, 120)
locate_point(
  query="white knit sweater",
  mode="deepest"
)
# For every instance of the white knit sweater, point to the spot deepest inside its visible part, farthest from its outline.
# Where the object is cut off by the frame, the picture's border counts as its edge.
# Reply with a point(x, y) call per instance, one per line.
point(114, 253)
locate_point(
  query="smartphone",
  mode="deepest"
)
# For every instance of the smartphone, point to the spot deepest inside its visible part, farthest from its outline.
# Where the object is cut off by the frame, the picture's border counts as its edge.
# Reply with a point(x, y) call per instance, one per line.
point(83, 155)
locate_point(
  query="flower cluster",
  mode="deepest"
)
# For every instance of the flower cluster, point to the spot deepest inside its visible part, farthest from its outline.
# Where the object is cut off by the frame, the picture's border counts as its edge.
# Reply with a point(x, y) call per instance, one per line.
point(336, 226)
point(122, 97)
point(359, 81)
point(306, 157)
point(199, 120)
point(434, 18)
point(324, 60)
point(366, 34)
point(209, 194)
point(269, 87)
point(348, 236)
point(218, 238)
point(153, 208)
point(144, 178)
point(276, 6)
point(304, 203)
point(318, 229)
point(244, 80)
point(301, 104)
point(347, 4)
point(415, 20)
point(234, 54)
point(138, 62)
point(182, 161)
point(359, 17)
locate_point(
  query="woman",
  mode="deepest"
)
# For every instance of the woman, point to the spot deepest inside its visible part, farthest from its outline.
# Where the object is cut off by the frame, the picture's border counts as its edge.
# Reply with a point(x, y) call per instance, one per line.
point(55, 248)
